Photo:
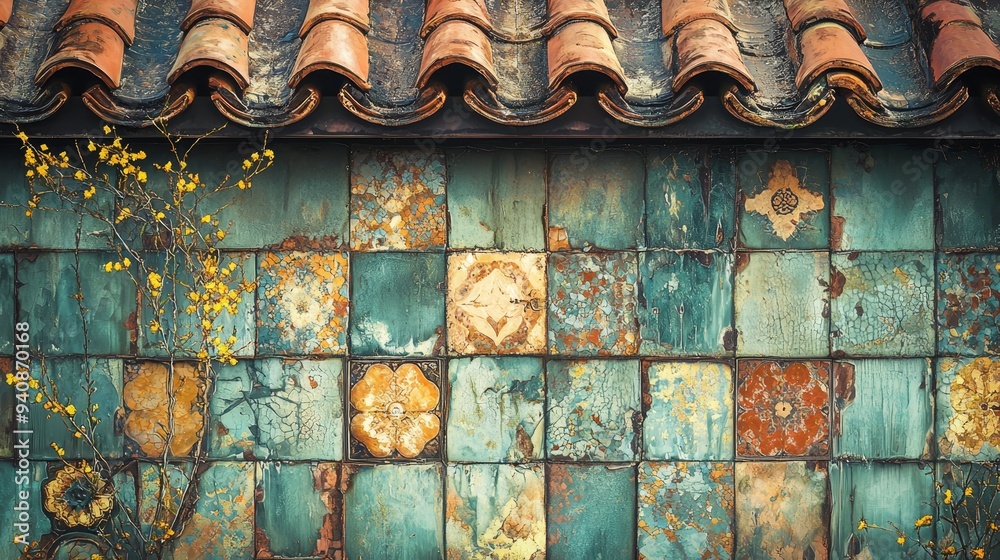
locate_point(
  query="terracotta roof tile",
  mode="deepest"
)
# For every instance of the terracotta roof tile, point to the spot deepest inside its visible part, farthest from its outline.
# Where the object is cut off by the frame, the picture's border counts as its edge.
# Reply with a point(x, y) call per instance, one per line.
point(441, 11)
point(6, 8)
point(678, 13)
point(830, 46)
point(354, 12)
point(215, 43)
point(116, 14)
point(706, 45)
point(562, 12)
point(457, 42)
point(581, 46)
point(803, 13)
point(959, 41)
point(239, 12)
point(87, 45)
point(335, 46)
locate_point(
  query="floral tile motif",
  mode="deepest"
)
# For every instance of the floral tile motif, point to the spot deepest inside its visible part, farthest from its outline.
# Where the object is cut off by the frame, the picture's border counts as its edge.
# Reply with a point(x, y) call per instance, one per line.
point(783, 200)
point(783, 408)
point(781, 510)
point(884, 409)
point(593, 410)
point(398, 304)
point(781, 304)
point(686, 303)
point(495, 511)
point(968, 303)
point(689, 411)
point(969, 194)
point(592, 304)
point(397, 200)
point(686, 510)
point(496, 303)
point(7, 303)
point(882, 304)
point(298, 511)
point(968, 408)
point(148, 412)
point(690, 194)
point(395, 409)
point(591, 512)
point(302, 303)
point(393, 511)
point(222, 525)
point(277, 409)
point(497, 409)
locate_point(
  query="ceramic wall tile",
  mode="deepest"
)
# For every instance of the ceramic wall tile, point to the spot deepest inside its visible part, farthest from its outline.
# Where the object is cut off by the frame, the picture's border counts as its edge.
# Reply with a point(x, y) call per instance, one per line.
point(783, 408)
point(969, 198)
point(299, 511)
point(689, 411)
point(222, 525)
point(591, 511)
point(784, 200)
point(158, 395)
point(968, 408)
point(968, 303)
point(7, 303)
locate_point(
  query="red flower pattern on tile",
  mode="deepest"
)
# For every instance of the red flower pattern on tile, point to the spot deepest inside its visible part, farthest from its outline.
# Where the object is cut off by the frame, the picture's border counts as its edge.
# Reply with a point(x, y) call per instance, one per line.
point(783, 408)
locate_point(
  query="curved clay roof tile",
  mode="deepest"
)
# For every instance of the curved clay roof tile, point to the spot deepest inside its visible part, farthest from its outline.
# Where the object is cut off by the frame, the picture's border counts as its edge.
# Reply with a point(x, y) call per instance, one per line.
point(457, 42)
point(442, 11)
point(336, 46)
point(581, 46)
point(803, 13)
point(706, 45)
point(562, 12)
point(830, 46)
point(116, 14)
point(678, 13)
point(215, 43)
point(239, 12)
point(354, 12)
point(960, 42)
point(6, 9)
point(91, 46)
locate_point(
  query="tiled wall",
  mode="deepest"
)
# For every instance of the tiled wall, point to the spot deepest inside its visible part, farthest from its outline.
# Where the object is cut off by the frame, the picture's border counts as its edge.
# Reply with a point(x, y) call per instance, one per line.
point(669, 352)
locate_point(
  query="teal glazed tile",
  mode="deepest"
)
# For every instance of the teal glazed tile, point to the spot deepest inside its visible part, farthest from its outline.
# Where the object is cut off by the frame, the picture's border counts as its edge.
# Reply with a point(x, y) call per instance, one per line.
point(968, 303)
point(398, 305)
point(969, 198)
point(593, 410)
point(975, 513)
point(7, 406)
point(781, 304)
point(781, 510)
point(302, 303)
point(591, 511)
point(592, 304)
point(967, 408)
point(882, 304)
point(881, 200)
point(879, 494)
point(394, 511)
point(686, 511)
point(397, 200)
point(784, 200)
point(685, 303)
point(883, 409)
point(596, 200)
point(497, 411)
point(277, 409)
point(495, 511)
point(298, 508)
point(73, 378)
point(690, 198)
point(496, 199)
point(47, 285)
point(222, 525)
point(7, 315)
point(30, 525)
point(689, 411)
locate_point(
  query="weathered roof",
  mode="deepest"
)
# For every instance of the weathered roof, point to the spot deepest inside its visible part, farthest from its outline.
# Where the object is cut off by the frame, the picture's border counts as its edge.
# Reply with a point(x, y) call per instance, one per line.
point(775, 63)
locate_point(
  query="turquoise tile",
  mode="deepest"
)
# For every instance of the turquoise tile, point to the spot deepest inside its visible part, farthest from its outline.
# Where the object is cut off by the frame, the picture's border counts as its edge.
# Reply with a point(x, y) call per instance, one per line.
point(394, 511)
point(879, 494)
point(593, 410)
point(882, 304)
point(685, 303)
point(7, 404)
point(496, 199)
point(596, 200)
point(784, 200)
point(48, 284)
point(974, 513)
point(398, 304)
point(497, 411)
point(298, 508)
point(24, 519)
point(781, 304)
point(7, 315)
point(592, 304)
point(591, 512)
point(222, 525)
point(278, 409)
point(969, 195)
point(966, 405)
point(495, 511)
point(686, 510)
point(884, 409)
point(690, 198)
point(881, 200)
point(968, 303)
point(689, 412)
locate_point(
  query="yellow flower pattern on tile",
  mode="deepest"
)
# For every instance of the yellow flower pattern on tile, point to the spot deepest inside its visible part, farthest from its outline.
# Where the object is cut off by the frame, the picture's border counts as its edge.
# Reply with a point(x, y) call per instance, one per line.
point(975, 398)
point(393, 408)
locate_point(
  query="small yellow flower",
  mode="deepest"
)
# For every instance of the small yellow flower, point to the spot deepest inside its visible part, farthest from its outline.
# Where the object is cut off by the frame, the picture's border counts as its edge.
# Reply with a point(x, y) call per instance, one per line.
point(978, 553)
point(38, 398)
point(949, 550)
point(108, 266)
point(141, 176)
point(947, 496)
point(107, 129)
point(33, 383)
point(220, 234)
point(59, 450)
point(206, 218)
point(127, 262)
point(168, 166)
point(44, 147)
point(232, 361)
point(88, 193)
point(154, 326)
point(91, 146)
point(118, 266)
point(246, 164)
point(901, 540)
point(924, 521)
point(22, 136)
point(269, 153)
point(70, 409)
point(862, 525)
point(11, 379)
point(79, 175)
point(968, 491)
point(160, 215)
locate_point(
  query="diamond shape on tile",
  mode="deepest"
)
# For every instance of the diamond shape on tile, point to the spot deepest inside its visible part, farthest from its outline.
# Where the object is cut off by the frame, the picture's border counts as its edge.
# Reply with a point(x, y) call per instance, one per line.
point(968, 303)
point(596, 200)
point(783, 202)
point(783, 408)
point(781, 510)
point(497, 409)
point(686, 510)
point(591, 511)
point(690, 198)
point(686, 303)
point(781, 304)
point(592, 304)
point(395, 409)
point(593, 410)
point(398, 304)
point(7, 303)
point(302, 301)
point(298, 511)
point(222, 525)
point(884, 409)
point(495, 511)
point(397, 200)
point(967, 407)
point(277, 409)
point(156, 396)
point(689, 411)
point(969, 195)
point(882, 304)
